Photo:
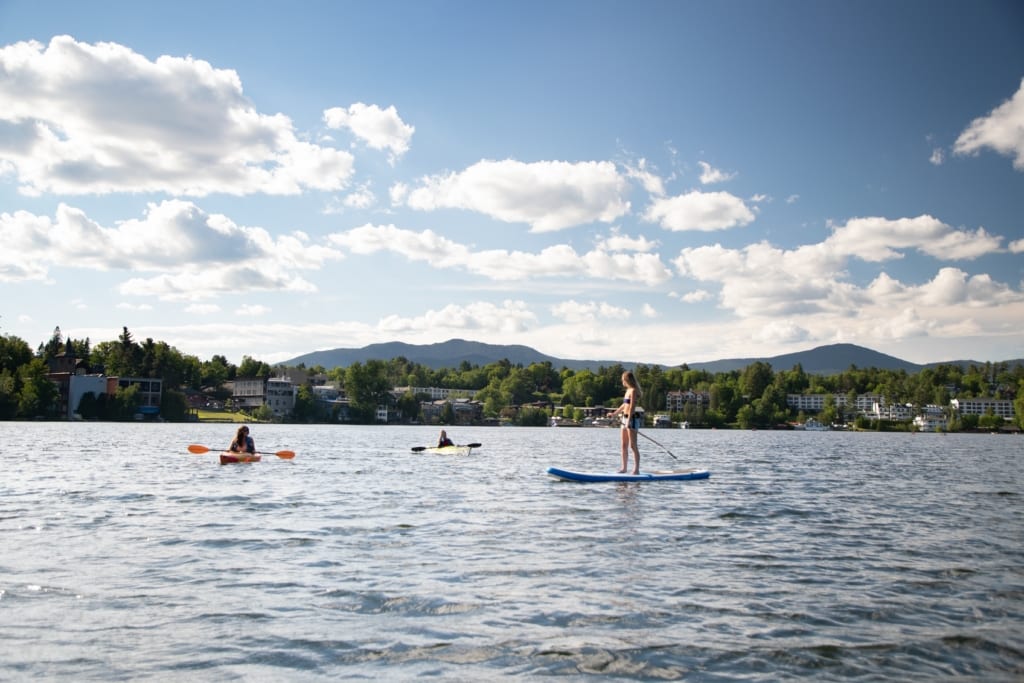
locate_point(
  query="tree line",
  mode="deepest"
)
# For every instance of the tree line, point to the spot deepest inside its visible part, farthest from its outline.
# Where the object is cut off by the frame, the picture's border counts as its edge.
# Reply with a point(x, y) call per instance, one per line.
point(752, 397)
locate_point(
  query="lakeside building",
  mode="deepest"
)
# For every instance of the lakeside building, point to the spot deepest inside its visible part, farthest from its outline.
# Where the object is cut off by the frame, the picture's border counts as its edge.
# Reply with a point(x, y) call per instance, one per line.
point(281, 395)
point(982, 406)
point(248, 393)
point(863, 403)
point(675, 400)
point(435, 393)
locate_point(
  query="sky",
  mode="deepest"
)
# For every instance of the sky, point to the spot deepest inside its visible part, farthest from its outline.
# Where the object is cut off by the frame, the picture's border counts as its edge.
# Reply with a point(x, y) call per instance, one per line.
point(640, 181)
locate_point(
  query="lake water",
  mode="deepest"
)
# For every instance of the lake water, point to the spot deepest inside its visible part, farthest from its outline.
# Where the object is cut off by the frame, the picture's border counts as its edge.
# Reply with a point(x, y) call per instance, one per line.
point(813, 556)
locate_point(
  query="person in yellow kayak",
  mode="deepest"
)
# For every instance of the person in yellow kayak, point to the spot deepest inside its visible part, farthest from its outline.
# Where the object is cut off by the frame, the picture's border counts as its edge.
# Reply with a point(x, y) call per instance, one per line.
point(243, 443)
point(443, 440)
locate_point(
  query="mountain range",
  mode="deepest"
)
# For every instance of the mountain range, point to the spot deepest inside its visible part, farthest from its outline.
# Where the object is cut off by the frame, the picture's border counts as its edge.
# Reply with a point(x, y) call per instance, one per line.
point(822, 360)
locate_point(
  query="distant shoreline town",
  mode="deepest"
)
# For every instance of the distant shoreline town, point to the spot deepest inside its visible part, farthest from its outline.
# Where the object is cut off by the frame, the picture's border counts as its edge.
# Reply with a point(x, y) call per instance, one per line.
point(67, 379)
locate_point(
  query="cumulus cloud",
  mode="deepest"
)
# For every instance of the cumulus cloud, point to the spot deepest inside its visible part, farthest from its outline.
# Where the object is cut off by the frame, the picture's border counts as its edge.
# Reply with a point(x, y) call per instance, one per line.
point(1001, 130)
point(699, 211)
point(710, 175)
point(619, 242)
point(193, 254)
point(765, 282)
point(546, 195)
point(82, 118)
point(880, 239)
point(695, 296)
point(650, 181)
point(573, 311)
point(511, 317)
point(558, 261)
point(378, 128)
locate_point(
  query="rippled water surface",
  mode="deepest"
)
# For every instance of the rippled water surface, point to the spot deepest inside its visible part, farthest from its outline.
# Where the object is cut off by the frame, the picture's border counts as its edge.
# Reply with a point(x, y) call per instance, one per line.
point(816, 556)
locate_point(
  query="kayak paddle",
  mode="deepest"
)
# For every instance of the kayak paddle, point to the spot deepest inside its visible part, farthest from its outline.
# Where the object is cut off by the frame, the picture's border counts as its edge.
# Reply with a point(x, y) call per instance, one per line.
point(199, 450)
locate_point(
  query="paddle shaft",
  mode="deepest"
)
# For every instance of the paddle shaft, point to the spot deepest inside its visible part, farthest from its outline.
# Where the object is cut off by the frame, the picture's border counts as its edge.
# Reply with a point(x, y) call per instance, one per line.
point(652, 440)
point(197, 449)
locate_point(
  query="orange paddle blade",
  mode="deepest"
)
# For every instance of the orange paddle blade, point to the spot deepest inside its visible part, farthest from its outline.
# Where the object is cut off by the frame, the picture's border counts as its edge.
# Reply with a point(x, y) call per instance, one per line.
point(197, 449)
point(287, 455)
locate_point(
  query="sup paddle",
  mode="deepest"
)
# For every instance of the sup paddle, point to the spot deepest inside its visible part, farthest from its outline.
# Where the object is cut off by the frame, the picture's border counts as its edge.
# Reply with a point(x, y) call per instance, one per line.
point(199, 450)
point(420, 449)
point(650, 439)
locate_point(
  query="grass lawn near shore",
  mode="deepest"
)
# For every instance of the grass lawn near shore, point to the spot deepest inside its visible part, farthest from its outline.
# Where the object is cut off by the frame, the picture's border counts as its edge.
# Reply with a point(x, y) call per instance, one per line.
point(223, 416)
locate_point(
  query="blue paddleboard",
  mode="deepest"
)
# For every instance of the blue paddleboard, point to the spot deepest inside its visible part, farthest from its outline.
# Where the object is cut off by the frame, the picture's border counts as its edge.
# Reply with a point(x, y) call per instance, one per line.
point(664, 475)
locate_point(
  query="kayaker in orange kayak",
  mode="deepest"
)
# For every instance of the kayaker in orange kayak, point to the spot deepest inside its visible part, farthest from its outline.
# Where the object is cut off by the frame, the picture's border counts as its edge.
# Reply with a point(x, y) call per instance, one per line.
point(243, 443)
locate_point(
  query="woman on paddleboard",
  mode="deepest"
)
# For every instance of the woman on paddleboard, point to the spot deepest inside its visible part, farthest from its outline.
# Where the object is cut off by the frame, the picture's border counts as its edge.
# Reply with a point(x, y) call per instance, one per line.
point(631, 421)
point(243, 443)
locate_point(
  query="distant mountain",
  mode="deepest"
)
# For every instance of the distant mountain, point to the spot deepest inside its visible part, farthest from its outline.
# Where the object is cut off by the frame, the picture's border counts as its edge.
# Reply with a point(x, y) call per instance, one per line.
point(449, 354)
point(823, 360)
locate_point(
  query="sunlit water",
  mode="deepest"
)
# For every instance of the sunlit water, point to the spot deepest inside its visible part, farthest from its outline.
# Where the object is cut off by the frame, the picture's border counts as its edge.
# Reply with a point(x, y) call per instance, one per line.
point(811, 556)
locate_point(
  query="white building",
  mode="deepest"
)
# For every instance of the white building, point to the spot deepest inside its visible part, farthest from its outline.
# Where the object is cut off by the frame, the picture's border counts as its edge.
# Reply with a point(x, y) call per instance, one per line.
point(280, 396)
point(435, 393)
point(981, 406)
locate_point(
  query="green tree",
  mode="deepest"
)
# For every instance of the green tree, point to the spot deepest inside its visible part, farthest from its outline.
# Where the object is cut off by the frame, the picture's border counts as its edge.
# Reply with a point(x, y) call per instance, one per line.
point(746, 418)
point(39, 395)
point(533, 417)
point(1018, 404)
point(14, 353)
point(367, 387)
point(305, 405)
point(125, 403)
point(173, 406)
point(88, 407)
point(755, 379)
point(254, 368)
point(409, 406)
point(8, 395)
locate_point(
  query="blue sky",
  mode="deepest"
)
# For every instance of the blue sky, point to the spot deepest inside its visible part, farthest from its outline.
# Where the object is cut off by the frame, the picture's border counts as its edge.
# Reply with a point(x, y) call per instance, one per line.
point(659, 182)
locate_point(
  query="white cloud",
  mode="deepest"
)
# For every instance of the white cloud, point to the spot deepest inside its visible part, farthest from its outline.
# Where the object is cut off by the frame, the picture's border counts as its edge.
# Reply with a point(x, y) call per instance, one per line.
point(573, 311)
point(781, 332)
point(557, 261)
point(484, 317)
point(547, 195)
point(381, 129)
point(252, 310)
point(192, 284)
point(651, 182)
point(202, 309)
point(699, 211)
point(361, 198)
point(1001, 130)
point(125, 306)
point(696, 296)
point(879, 239)
point(619, 242)
point(710, 175)
point(1016, 246)
point(938, 156)
point(192, 254)
point(83, 118)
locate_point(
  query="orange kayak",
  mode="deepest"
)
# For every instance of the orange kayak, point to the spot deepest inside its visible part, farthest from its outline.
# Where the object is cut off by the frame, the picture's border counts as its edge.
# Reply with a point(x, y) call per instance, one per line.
point(228, 457)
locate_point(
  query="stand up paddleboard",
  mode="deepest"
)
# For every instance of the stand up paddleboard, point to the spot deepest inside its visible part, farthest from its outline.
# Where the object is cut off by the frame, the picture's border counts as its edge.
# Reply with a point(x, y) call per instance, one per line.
point(663, 475)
